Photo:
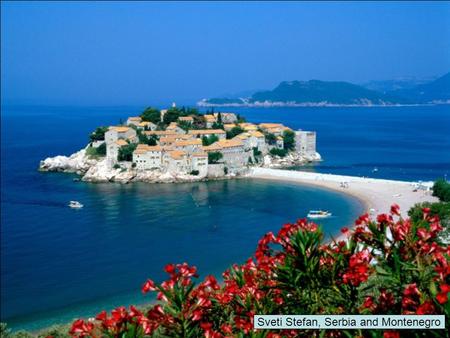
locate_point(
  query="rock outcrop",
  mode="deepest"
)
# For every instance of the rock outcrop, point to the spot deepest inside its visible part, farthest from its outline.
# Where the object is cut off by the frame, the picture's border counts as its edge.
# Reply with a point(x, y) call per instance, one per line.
point(101, 170)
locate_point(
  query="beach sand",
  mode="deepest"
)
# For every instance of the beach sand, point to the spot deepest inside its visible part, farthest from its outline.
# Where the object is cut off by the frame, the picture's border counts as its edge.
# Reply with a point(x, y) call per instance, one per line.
point(376, 194)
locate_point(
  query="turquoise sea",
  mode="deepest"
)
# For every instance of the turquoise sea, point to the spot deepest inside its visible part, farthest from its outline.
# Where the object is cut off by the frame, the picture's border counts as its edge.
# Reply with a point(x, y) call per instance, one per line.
point(59, 264)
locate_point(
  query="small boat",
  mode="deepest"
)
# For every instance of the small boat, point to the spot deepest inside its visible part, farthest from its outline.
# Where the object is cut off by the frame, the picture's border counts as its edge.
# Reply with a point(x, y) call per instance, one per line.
point(318, 214)
point(374, 170)
point(75, 205)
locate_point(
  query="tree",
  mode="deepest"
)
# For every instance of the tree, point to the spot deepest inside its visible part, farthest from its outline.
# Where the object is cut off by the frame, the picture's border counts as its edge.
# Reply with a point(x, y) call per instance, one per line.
point(278, 152)
point(151, 114)
point(289, 139)
point(208, 140)
point(214, 157)
point(270, 138)
point(441, 189)
point(98, 134)
point(172, 115)
point(152, 140)
point(126, 152)
point(219, 118)
point(234, 132)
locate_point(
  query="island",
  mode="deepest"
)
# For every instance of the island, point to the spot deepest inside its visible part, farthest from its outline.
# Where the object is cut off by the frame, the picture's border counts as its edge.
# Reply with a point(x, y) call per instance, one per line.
point(184, 145)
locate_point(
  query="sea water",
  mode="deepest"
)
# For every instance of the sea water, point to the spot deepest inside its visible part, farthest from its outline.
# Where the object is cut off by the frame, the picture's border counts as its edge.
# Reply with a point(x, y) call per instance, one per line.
point(59, 264)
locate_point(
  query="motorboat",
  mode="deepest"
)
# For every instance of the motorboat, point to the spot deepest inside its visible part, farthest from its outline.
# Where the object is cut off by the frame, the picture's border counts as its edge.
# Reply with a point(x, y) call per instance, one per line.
point(319, 214)
point(75, 205)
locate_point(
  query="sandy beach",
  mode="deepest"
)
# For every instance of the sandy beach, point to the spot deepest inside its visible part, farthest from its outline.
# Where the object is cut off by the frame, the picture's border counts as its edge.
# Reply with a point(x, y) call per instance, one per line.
point(376, 194)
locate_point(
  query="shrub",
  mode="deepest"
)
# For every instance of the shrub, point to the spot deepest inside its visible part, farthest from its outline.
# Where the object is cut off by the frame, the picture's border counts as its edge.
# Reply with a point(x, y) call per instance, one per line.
point(214, 157)
point(151, 114)
point(133, 165)
point(256, 152)
point(278, 152)
point(116, 166)
point(386, 266)
point(234, 132)
point(195, 172)
point(271, 139)
point(96, 152)
point(98, 134)
point(441, 189)
point(208, 140)
point(126, 152)
point(289, 139)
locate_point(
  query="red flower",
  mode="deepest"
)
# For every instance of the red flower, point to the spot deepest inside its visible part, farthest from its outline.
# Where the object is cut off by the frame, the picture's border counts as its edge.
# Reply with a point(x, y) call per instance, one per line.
point(81, 329)
point(427, 308)
point(395, 209)
point(149, 285)
point(358, 270)
point(442, 297)
point(345, 231)
point(102, 316)
point(391, 334)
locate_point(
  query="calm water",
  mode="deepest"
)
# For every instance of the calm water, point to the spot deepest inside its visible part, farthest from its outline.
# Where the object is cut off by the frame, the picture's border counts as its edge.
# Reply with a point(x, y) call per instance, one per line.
point(58, 263)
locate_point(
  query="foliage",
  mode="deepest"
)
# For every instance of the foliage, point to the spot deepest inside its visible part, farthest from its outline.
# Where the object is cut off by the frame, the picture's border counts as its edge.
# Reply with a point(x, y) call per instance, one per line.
point(225, 170)
point(185, 125)
point(234, 132)
point(219, 118)
point(208, 140)
point(214, 157)
point(151, 114)
point(270, 138)
point(126, 152)
point(152, 140)
point(98, 134)
point(278, 152)
point(172, 115)
point(289, 139)
point(116, 166)
point(96, 152)
point(441, 189)
point(256, 152)
point(217, 125)
point(387, 265)
point(439, 209)
point(240, 119)
point(195, 172)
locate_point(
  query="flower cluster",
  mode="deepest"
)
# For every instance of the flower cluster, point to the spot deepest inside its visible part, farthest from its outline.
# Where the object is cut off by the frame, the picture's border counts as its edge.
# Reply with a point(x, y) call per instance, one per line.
point(388, 265)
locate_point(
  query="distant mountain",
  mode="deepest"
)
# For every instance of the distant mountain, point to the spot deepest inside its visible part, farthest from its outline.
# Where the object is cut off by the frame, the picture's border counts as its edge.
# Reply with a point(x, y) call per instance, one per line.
point(315, 91)
point(385, 86)
point(330, 93)
point(436, 91)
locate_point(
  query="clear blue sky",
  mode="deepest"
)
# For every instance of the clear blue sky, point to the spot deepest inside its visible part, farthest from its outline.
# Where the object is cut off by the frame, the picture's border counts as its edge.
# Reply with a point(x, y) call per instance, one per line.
point(138, 53)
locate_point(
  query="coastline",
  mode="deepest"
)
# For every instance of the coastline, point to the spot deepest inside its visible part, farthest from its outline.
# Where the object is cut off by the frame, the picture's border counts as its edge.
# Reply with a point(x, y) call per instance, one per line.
point(377, 195)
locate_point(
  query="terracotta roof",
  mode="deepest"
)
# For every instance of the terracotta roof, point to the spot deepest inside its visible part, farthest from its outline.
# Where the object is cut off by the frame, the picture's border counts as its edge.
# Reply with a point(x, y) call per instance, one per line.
point(188, 143)
point(256, 134)
point(145, 123)
point(121, 142)
point(135, 118)
point(271, 125)
point(230, 143)
point(120, 129)
point(177, 154)
point(212, 147)
point(143, 148)
point(186, 118)
point(210, 118)
point(160, 132)
point(206, 131)
point(202, 154)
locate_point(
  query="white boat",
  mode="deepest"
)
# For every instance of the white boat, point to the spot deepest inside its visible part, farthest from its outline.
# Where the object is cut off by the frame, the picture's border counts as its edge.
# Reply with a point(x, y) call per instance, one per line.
point(318, 214)
point(374, 170)
point(75, 205)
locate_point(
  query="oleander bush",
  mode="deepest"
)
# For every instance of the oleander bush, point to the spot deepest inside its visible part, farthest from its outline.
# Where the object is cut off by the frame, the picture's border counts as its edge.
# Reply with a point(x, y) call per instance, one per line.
point(386, 265)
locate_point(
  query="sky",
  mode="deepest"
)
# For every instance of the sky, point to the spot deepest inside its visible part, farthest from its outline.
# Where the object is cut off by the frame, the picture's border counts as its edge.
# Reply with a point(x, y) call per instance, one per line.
point(133, 53)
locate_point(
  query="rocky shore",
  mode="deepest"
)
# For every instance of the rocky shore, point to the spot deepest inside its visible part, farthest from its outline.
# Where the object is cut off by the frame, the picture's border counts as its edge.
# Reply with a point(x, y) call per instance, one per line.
point(98, 170)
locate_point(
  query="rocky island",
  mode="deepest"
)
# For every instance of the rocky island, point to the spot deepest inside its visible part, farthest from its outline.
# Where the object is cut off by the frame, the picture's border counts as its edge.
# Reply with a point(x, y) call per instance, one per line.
point(184, 145)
